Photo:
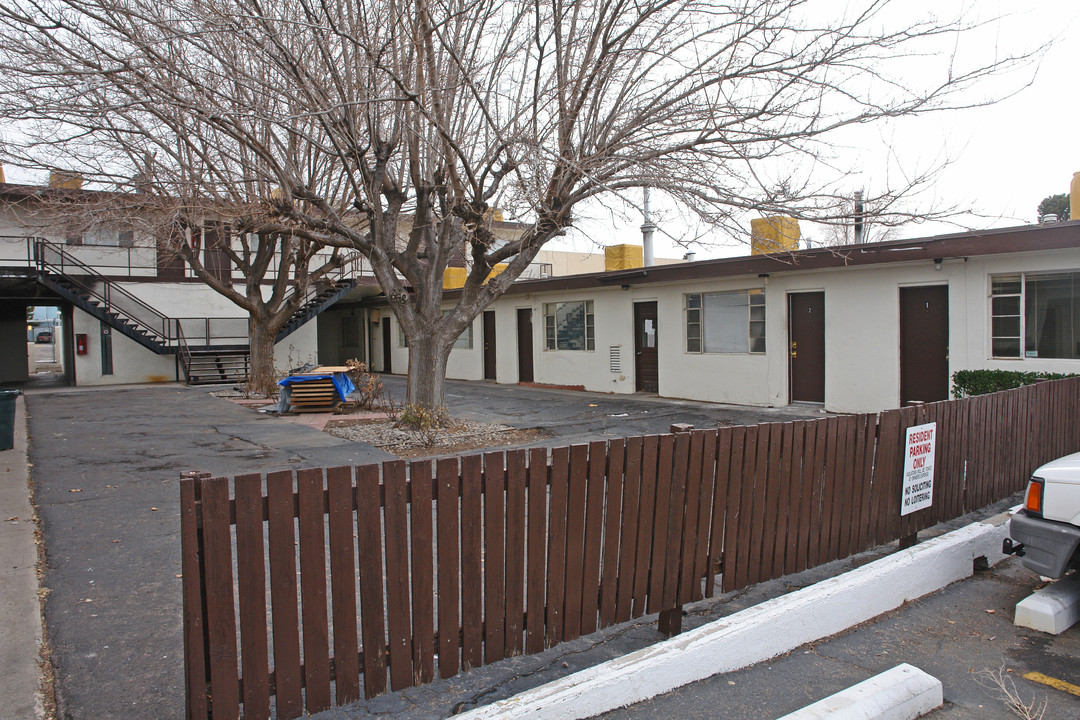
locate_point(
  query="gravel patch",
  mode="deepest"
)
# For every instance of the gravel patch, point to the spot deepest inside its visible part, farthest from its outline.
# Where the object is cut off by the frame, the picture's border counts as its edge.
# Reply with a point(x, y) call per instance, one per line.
point(459, 436)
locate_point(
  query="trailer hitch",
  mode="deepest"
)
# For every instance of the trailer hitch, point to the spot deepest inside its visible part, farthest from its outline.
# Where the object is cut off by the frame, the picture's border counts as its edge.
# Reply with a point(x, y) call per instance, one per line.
point(1008, 547)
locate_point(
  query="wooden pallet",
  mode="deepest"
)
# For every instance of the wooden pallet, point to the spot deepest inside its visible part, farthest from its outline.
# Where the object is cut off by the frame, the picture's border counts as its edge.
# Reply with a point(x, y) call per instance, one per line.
point(313, 396)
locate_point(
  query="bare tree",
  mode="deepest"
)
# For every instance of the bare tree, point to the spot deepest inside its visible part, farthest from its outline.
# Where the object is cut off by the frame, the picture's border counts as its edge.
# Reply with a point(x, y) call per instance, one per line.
point(875, 223)
point(219, 242)
point(394, 128)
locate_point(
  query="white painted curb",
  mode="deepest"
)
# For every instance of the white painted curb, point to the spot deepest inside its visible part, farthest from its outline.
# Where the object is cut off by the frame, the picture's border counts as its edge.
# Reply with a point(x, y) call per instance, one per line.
point(903, 693)
point(761, 632)
point(1054, 609)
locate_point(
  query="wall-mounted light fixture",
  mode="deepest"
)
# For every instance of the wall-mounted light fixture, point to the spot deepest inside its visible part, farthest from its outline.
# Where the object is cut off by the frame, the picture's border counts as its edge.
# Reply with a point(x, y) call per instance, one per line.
point(937, 263)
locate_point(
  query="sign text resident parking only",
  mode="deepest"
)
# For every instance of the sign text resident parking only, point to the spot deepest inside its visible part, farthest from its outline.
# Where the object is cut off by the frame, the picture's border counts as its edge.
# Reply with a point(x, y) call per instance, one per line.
point(918, 468)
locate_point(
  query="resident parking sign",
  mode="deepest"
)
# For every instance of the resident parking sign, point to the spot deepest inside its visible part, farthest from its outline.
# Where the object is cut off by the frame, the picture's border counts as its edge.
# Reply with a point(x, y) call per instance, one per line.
point(918, 468)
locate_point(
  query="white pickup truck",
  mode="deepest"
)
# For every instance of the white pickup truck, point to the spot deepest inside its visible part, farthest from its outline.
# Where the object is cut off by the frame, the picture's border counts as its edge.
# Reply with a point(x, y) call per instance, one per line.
point(1045, 533)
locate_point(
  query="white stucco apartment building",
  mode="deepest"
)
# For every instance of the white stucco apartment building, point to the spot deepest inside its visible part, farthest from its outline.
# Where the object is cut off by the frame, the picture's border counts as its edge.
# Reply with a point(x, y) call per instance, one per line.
point(857, 329)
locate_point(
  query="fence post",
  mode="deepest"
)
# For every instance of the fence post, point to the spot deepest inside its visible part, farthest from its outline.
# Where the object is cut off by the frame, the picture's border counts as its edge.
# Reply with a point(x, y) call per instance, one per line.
point(196, 632)
point(670, 621)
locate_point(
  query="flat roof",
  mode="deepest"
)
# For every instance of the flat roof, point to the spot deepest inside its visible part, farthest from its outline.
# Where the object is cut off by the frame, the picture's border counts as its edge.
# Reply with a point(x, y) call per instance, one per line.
point(1026, 238)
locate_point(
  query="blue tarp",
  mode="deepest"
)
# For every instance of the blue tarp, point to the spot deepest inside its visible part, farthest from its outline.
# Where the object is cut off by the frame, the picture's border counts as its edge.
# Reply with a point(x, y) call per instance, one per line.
point(341, 381)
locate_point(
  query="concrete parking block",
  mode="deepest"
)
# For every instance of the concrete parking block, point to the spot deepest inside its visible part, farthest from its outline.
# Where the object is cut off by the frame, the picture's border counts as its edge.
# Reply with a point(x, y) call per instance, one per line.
point(761, 632)
point(1053, 609)
point(902, 693)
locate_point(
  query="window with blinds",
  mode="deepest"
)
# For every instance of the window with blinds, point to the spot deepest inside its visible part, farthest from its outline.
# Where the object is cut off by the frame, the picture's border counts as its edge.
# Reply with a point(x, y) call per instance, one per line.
point(569, 326)
point(1040, 309)
point(727, 322)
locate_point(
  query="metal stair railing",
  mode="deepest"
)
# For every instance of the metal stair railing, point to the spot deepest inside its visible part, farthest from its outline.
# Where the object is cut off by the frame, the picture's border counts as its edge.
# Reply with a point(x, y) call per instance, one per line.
point(114, 299)
point(228, 363)
point(351, 269)
point(319, 294)
point(128, 313)
point(184, 352)
point(201, 332)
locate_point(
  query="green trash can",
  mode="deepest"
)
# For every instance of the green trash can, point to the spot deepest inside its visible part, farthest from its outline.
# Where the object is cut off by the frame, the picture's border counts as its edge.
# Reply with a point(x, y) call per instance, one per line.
point(7, 418)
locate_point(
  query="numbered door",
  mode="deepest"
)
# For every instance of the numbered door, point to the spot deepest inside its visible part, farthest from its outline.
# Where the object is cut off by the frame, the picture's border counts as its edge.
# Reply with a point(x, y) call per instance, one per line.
point(806, 347)
point(924, 344)
point(646, 362)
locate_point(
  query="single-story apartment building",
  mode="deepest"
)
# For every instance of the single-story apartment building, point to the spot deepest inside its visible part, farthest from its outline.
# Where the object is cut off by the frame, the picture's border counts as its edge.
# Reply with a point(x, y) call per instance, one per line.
point(858, 328)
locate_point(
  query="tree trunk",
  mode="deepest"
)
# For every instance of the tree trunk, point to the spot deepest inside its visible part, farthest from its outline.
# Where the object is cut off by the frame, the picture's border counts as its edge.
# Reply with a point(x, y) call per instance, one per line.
point(261, 377)
point(427, 371)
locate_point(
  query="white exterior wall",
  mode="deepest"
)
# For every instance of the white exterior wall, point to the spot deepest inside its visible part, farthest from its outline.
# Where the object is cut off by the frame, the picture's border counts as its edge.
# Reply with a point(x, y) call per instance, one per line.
point(862, 333)
point(613, 325)
point(463, 364)
point(466, 363)
point(299, 348)
point(738, 378)
point(973, 351)
point(132, 363)
point(184, 299)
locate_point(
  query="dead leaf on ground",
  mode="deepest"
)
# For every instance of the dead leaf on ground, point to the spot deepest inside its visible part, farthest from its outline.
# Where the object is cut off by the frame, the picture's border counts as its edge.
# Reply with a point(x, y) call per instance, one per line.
point(153, 509)
point(13, 518)
point(75, 490)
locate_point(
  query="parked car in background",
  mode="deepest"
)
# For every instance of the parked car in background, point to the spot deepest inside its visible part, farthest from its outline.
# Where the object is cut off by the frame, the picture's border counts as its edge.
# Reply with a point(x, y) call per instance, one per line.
point(1045, 533)
point(44, 337)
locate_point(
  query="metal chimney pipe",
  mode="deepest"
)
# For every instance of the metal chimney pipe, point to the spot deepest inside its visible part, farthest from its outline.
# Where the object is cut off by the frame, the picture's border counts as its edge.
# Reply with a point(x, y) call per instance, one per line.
point(647, 230)
point(858, 217)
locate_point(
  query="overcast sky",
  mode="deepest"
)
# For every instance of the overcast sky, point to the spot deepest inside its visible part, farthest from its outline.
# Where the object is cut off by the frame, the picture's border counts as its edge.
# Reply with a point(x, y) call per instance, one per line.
point(1004, 158)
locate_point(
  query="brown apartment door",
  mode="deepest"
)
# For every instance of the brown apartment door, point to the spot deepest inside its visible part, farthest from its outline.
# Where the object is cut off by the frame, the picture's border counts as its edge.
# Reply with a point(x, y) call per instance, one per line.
point(387, 365)
point(646, 363)
point(924, 344)
point(489, 344)
point(806, 346)
point(215, 260)
point(170, 263)
point(525, 345)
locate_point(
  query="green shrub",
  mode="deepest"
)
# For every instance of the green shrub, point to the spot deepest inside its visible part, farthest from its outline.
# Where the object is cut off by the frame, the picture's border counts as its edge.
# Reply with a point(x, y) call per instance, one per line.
point(980, 382)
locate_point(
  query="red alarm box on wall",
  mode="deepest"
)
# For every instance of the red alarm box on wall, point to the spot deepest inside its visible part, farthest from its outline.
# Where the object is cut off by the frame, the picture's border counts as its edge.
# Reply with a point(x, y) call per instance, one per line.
point(80, 344)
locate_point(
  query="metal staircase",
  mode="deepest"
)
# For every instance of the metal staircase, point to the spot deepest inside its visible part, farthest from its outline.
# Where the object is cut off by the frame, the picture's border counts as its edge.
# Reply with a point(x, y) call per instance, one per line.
point(206, 354)
point(103, 298)
point(320, 298)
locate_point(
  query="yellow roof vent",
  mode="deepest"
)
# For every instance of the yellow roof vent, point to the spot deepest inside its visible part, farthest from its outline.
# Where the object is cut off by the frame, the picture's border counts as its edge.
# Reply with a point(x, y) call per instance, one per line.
point(778, 233)
point(623, 257)
point(65, 179)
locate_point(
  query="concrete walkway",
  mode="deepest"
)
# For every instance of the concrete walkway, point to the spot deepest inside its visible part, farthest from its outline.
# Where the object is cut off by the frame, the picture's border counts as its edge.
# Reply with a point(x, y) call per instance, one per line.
point(20, 614)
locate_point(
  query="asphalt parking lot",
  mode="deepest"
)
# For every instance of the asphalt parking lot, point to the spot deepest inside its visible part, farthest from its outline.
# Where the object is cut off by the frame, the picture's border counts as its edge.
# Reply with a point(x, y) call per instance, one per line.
point(106, 462)
point(105, 469)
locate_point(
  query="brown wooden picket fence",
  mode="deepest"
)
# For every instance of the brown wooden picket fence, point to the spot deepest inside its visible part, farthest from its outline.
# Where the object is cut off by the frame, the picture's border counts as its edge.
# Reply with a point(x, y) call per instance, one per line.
point(297, 586)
